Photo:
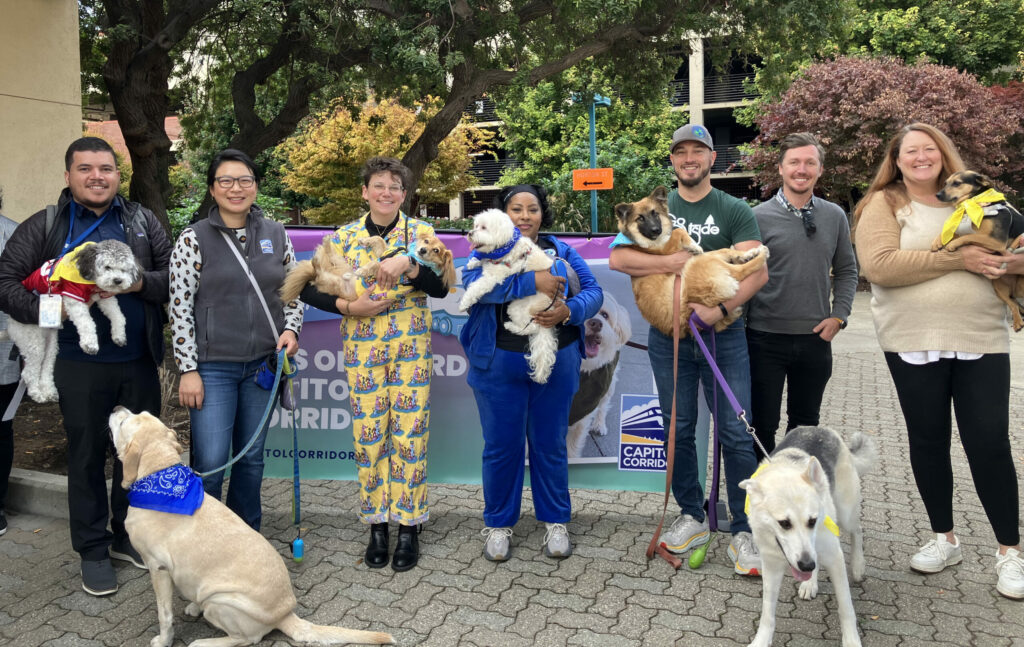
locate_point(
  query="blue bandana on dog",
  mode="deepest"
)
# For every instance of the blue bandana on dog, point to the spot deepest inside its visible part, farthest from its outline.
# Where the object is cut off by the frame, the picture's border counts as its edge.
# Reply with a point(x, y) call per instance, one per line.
point(175, 489)
point(433, 267)
point(501, 251)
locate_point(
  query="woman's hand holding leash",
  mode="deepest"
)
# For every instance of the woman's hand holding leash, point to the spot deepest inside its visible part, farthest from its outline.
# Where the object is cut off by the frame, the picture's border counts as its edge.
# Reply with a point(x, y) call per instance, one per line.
point(190, 390)
point(556, 314)
point(548, 284)
point(709, 315)
point(289, 341)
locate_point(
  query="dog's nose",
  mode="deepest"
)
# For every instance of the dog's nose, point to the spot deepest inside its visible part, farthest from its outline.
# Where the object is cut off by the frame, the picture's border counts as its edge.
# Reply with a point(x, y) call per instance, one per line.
point(805, 563)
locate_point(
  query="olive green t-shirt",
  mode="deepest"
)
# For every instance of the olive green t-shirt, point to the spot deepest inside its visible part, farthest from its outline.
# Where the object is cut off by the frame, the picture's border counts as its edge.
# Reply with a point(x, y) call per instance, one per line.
point(715, 222)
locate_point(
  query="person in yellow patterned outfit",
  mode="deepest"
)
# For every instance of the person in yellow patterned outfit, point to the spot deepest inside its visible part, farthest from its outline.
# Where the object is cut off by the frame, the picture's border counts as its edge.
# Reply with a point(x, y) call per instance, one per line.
point(386, 338)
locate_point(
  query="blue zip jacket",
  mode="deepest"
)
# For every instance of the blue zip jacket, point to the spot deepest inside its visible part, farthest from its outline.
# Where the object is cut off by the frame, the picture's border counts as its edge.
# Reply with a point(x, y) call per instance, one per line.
point(478, 335)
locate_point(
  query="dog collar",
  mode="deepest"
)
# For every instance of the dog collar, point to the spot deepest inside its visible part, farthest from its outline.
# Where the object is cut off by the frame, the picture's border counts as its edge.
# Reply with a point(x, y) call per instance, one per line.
point(973, 208)
point(500, 251)
point(175, 489)
point(829, 524)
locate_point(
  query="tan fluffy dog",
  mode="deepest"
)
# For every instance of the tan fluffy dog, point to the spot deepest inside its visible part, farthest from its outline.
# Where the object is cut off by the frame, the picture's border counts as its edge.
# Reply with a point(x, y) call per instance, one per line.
point(327, 270)
point(708, 278)
point(229, 573)
point(429, 251)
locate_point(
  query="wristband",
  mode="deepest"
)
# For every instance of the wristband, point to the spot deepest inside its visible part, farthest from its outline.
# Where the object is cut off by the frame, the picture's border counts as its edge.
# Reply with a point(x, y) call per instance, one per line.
point(842, 323)
point(725, 311)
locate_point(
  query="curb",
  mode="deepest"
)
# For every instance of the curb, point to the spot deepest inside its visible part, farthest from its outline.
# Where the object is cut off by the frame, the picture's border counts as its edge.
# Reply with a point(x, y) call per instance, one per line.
point(38, 493)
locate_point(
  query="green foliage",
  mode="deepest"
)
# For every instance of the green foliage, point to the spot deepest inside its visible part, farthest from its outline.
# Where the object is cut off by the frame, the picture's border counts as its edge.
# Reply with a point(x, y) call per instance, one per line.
point(856, 104)
point(549, 134)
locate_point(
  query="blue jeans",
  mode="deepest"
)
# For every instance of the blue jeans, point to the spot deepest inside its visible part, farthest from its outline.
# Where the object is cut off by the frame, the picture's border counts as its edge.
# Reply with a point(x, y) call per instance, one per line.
point(232, 407)
point(737, 445)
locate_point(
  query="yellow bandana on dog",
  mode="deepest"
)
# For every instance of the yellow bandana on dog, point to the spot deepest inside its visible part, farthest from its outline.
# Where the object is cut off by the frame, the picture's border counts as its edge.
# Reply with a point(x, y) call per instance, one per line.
point(974, 210)
point(829, 523)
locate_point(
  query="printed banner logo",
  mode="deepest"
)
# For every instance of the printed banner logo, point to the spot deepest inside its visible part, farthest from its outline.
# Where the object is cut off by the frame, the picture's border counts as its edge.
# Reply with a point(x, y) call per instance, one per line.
point(641, 434)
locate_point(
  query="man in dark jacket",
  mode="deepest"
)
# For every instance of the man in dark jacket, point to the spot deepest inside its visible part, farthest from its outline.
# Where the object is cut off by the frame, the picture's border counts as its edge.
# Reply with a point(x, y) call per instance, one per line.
point(90, 386)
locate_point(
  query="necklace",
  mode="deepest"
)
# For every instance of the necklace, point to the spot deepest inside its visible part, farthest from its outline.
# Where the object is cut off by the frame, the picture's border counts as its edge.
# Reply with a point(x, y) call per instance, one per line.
point(379, 230)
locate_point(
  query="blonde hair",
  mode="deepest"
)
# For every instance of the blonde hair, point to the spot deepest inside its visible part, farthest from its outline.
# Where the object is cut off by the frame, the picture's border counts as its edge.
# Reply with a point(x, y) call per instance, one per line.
point(889, 178)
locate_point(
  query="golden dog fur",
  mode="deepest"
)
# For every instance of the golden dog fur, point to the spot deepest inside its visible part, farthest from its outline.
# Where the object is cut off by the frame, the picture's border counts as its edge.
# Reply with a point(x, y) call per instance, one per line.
point(708, 278)
point(429, 249)
point(226, 570)
point(327, 270)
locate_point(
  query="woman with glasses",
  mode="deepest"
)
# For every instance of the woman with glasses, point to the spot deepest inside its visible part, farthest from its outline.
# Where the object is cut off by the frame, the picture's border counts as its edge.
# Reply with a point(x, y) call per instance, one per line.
point(386, 337)
point(222, 331)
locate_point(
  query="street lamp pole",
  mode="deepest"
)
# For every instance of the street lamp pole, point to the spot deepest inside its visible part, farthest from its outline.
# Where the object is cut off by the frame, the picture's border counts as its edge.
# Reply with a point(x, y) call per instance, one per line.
point(598, 100)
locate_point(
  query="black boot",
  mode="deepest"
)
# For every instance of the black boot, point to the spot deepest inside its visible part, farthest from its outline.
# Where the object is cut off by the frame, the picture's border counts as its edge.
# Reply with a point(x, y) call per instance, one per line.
point(377, 549)
point(407, 552)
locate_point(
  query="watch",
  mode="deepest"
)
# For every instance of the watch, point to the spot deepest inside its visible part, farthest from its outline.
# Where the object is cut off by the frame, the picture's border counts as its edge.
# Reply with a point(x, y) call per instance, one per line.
point(842, 322)
point(725, 311)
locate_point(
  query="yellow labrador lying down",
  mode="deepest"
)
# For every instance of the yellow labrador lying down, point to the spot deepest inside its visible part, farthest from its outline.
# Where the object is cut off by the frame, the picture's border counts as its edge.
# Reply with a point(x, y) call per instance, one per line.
point(229, 573)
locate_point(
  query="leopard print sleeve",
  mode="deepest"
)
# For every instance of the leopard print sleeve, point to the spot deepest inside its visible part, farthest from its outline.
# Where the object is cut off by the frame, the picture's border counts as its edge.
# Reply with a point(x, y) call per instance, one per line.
point(293, 309)
point(186, 264)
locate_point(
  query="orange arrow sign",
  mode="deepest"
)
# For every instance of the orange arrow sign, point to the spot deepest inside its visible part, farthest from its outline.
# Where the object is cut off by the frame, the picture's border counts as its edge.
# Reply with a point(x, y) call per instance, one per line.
point(587, 179)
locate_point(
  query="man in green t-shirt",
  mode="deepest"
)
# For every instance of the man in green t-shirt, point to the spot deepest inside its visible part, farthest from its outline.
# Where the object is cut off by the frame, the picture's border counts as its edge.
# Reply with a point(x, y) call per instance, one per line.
point(714, 220)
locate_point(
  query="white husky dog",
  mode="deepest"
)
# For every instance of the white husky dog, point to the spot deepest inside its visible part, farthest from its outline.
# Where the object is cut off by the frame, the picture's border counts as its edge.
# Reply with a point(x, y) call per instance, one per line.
point(798, 503)
point(502, 252)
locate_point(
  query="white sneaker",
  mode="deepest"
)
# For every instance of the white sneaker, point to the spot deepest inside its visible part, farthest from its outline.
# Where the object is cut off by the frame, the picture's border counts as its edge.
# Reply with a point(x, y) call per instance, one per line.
point(496, 547)
point(745, 557)
point(556, 541)
point(686, 533)
point(936, 555)
point(1010, 568)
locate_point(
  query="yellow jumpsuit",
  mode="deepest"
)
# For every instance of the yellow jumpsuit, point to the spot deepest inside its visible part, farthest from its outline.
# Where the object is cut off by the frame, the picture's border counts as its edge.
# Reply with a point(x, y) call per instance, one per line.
point(388, 363)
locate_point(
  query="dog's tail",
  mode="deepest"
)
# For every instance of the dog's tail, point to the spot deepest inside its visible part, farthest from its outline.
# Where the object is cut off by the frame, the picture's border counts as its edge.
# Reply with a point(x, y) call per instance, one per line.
point(303, 631)
point(864, 453)
point(297, 279)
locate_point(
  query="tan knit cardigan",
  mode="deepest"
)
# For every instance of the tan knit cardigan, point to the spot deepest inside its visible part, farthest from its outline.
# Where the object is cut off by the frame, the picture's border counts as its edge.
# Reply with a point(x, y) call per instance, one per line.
point(923, 300)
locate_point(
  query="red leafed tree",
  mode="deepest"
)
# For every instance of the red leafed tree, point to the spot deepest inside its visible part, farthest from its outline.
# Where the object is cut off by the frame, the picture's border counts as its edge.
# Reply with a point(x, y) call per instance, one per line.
point(856, 104)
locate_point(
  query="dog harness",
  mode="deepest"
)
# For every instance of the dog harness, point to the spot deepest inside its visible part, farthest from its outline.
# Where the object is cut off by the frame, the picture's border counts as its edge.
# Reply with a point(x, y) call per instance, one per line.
point(175, 489)
point(828, 522)
point(973, 208)
point(61, 276)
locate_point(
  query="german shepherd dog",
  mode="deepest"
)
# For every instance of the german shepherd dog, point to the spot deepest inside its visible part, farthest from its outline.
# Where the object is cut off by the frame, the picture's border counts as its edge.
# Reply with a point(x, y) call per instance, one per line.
point(798, 502)
point(709, 278)
point(998, 231)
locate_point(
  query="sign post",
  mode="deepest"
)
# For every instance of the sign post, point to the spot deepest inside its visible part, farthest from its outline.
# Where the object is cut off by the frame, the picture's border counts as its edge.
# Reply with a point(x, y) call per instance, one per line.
point(598, 100)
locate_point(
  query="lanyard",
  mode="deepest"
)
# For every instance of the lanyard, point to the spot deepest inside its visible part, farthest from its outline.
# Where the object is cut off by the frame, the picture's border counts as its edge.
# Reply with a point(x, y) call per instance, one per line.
point(71, 244)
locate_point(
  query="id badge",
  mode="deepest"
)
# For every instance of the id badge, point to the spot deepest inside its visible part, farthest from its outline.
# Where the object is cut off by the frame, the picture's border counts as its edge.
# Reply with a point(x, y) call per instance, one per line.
point(49, 310)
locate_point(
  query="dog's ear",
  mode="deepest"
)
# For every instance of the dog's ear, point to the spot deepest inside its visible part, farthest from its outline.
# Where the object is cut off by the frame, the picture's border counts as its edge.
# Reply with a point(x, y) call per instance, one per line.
point(754, 492)
point(660, 193)
point(85, 261)
point(130, 462)
point(622, 323)
point(984, 180)
point(173, 437)
point(447, 269)
point(622, 210)
point(815, 474)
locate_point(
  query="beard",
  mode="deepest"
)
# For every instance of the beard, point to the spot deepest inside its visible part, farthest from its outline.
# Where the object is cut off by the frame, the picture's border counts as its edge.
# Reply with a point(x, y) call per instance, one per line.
point(690, 183)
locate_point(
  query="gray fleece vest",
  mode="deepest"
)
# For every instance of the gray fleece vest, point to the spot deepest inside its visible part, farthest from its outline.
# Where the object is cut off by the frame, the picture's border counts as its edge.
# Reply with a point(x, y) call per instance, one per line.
point(230, 323)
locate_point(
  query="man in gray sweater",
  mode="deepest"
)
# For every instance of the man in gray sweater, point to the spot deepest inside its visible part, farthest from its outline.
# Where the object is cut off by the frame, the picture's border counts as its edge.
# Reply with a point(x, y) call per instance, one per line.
point(791, 321)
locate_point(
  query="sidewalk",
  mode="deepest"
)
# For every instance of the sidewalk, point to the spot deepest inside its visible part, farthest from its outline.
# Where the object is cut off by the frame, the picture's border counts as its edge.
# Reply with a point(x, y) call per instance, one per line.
point(606, 594)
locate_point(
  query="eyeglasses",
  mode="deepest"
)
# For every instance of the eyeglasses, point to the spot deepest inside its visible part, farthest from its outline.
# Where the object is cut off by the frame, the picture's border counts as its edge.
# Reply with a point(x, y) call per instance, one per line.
point(226, 181)
point(394, 188)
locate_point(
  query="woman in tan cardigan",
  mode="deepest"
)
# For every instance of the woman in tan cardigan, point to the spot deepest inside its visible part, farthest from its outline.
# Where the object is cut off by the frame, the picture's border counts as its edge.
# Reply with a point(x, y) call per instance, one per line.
point(945, 338)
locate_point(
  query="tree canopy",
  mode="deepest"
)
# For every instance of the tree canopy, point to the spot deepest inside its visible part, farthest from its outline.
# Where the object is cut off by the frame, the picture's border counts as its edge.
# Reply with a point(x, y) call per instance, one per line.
point(324, 159)
point(856, 104)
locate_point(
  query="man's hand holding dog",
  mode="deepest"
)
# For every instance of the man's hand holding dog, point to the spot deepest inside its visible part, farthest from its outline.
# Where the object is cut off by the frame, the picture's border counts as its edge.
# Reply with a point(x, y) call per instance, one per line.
point(827, 329)
point(190, 390)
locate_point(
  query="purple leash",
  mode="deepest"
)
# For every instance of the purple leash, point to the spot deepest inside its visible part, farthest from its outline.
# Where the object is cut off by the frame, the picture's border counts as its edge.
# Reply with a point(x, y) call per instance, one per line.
point(696, 325)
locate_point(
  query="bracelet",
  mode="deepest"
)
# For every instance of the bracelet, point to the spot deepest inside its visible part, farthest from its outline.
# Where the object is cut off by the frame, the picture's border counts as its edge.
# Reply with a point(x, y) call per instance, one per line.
point(725, 311)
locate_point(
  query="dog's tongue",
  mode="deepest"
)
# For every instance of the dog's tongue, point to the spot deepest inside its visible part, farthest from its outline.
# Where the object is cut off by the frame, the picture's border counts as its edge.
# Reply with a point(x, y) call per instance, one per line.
point(801, 576)
point(592, 346)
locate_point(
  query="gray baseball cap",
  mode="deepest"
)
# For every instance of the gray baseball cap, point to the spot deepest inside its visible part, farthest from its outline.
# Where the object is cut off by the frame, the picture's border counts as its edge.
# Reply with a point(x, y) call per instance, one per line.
point(691, 133)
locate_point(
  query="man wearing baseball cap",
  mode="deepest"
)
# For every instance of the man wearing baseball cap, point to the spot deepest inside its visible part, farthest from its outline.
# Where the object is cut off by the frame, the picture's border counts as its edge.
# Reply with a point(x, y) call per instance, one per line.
point(714, 220)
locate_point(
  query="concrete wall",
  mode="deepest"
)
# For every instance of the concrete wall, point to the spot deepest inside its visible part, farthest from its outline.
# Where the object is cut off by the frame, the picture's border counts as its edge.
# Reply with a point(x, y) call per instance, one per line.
point(40, 100)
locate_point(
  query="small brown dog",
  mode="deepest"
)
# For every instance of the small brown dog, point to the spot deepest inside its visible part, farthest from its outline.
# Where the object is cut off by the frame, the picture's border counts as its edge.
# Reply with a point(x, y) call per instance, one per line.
point(709, 278)
point(999, 228)
point(428, 251)
point(328, 270)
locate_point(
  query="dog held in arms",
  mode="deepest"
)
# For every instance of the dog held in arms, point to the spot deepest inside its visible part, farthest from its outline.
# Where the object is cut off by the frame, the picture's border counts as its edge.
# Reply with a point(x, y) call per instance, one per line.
point(798, 502)
point(708, 278)
point(78, 277)
point(502, 252)
point(226, 570)
point(604, 336)
point(983, 217)
point(328, 270)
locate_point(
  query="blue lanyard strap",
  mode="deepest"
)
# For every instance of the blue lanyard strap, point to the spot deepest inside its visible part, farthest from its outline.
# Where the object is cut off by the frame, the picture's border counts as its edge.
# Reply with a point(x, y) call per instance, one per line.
point(71, 244)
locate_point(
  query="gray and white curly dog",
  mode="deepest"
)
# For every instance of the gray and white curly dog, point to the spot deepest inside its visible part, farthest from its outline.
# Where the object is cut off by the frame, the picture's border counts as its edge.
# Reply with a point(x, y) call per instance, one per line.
point(109, 264)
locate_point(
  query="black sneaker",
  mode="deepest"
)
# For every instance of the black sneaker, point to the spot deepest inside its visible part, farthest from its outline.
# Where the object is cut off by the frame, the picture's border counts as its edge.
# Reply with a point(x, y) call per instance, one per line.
point(123, 550)
point(98, 578)
point(3, 522)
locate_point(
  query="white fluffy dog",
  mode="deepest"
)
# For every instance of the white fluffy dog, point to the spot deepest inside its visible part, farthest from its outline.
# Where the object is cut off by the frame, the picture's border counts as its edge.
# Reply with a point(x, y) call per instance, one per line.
point(605, 334)
point(493, 231)
point(108, 266)
point(798, 503)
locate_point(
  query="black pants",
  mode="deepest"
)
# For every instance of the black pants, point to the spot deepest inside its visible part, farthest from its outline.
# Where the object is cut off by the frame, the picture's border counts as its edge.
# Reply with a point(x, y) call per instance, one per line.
point(6, 440)
point(980, 392)
point(805, 361)
point(89, 391)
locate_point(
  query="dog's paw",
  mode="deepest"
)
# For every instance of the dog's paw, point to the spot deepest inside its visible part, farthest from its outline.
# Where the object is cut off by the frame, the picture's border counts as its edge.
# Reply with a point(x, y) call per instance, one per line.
point(473, 262)
point(48, 394)
point(89, 346)
point(119, 339)
point(761, 641)
point(809, 589)
point(161, 641)
point(193, 610)
point(851, 641)
point(857, 569)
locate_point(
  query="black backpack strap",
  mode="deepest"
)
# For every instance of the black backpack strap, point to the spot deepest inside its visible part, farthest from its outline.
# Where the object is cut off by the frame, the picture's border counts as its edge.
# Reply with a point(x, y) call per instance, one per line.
point(51, 218)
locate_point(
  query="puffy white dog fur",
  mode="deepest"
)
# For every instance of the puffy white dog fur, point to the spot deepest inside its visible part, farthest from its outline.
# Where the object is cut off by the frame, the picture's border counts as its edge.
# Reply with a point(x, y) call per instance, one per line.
point(492, 229)
point(112, 266)
point(605, 334)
